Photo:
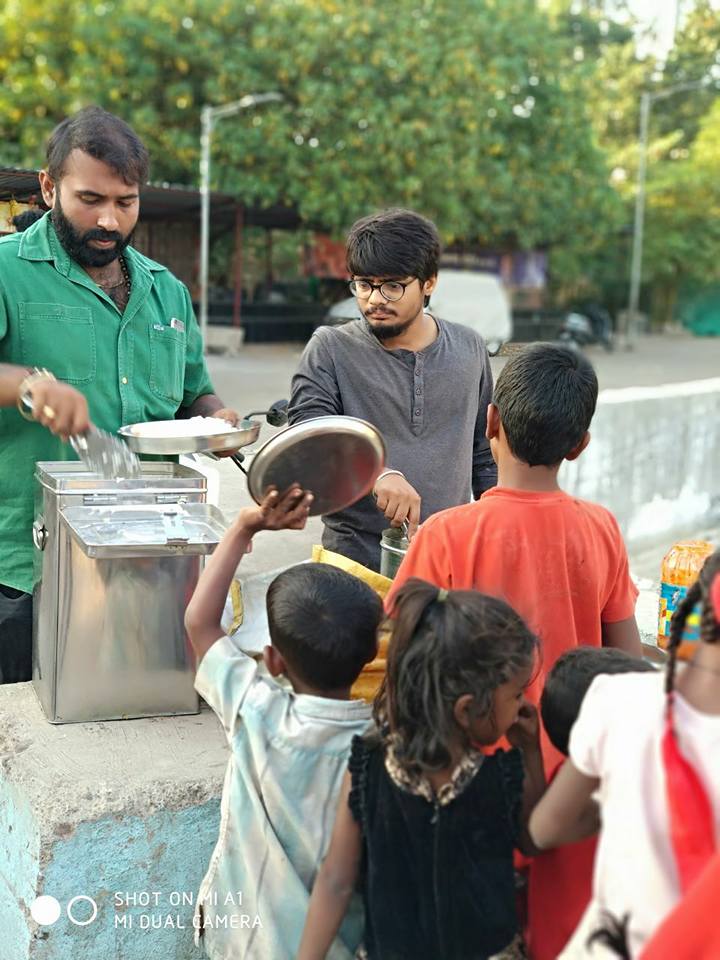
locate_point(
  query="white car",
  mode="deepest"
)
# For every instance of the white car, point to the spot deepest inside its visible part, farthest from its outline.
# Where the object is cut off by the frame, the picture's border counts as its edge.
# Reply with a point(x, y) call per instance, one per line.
point(477, 300)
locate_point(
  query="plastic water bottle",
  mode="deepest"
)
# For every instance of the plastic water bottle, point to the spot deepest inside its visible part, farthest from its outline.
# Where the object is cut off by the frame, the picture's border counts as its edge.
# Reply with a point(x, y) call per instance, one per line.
point(680, 570)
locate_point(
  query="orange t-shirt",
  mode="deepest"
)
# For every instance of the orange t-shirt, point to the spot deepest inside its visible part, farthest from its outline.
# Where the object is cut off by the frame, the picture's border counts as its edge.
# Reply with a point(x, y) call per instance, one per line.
point(560, 562)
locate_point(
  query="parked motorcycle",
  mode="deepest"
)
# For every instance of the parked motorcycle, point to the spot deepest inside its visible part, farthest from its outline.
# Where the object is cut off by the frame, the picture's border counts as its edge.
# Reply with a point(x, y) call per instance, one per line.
point(584, 329)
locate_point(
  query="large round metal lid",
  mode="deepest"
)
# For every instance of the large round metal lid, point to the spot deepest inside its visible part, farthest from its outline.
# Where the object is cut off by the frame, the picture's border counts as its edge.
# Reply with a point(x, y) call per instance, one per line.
point(337, 458)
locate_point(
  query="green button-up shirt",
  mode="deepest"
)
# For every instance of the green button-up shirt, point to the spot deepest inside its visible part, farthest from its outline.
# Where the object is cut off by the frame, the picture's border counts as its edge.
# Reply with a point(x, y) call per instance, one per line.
point(132, 366)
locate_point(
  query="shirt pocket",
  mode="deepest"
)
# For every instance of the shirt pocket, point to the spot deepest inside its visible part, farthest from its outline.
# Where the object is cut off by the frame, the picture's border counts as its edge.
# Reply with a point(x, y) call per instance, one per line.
point(167, 362)
point(59, 337)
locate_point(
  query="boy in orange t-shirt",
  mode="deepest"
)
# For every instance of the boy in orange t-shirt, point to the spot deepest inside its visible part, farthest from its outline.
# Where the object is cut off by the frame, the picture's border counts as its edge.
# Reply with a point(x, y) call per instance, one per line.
point(559, 561)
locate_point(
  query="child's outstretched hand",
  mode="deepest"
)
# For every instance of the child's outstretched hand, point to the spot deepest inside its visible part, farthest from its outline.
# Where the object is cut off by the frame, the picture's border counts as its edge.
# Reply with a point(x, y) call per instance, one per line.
point(525, 732)
point(278, 511)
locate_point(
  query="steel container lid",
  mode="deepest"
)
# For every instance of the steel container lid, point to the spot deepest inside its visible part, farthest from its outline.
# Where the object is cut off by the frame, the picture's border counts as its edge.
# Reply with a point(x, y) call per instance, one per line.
point(72, 476)
point(154, 530)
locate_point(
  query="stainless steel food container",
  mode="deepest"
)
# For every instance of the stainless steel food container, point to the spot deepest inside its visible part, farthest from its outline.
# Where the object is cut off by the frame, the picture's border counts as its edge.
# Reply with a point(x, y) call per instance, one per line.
point(393, 547)
point(116, 562)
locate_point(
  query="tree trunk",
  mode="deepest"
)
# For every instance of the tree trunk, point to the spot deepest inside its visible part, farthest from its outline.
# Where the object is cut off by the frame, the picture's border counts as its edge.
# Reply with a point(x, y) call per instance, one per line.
point(664, 299)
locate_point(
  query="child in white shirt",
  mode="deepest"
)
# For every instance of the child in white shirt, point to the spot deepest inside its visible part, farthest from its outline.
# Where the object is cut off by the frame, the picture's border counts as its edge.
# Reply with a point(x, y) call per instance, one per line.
point(289, 744)
point(650, 747)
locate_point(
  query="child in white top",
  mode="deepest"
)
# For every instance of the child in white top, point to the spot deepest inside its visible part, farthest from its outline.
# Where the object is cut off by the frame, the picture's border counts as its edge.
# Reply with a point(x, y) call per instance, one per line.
point(289, 745)
point(650, 748)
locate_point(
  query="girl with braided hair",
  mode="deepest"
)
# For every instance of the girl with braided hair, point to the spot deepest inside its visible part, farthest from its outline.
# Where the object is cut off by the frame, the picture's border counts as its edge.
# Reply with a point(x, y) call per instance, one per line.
point(648, 746)
point(427, 823)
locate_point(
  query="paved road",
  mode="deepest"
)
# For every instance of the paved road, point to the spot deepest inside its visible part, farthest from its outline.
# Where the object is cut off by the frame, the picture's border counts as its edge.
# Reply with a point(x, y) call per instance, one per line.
point(262, 373)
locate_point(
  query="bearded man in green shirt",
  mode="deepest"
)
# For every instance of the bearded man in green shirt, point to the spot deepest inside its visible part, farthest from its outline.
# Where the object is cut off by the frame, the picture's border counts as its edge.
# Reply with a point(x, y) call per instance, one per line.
point(115, 329)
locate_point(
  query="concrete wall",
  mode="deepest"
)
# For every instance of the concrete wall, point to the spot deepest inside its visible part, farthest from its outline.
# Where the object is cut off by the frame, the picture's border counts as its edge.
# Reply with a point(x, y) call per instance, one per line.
point(111, 811)
point(654, 459)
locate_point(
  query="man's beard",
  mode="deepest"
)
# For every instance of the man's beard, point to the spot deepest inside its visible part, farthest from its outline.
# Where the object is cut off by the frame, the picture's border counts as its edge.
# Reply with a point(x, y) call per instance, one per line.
point(77, 245)
point(387, 331)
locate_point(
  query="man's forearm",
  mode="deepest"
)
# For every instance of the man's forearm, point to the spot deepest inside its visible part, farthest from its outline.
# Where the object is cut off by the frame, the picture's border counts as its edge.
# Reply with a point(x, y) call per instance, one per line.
point(11, 376)
point(204, 406)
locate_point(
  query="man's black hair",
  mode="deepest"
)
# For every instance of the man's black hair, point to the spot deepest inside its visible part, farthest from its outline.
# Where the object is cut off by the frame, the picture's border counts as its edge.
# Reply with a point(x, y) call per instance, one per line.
point(323, 621)
point(569, 681)
point(394, 243)
point(103, 136)
point(546, 397)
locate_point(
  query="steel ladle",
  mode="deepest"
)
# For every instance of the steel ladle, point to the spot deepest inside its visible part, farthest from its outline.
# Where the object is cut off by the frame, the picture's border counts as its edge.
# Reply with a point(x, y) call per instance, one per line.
point(99, 450)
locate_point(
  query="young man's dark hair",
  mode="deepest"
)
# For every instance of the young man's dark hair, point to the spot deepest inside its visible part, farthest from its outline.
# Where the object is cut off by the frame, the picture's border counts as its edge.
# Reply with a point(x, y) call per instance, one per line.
point(394, 243)
point(569, 681)
point(323, 622)
point(546, 397)
point(103, 136)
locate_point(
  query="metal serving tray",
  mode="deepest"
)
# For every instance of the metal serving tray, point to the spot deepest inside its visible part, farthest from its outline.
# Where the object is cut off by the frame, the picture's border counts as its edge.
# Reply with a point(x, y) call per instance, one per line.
point(232, 439)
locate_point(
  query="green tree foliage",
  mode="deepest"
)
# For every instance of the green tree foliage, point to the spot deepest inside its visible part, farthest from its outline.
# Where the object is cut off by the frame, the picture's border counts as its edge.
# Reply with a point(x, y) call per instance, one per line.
point(681, 236)
point(462, 108)
point(510, 122)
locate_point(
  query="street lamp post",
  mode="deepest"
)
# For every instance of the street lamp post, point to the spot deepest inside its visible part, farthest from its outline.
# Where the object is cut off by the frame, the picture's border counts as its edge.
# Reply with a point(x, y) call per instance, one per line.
point(208, 117)
point(646, 102)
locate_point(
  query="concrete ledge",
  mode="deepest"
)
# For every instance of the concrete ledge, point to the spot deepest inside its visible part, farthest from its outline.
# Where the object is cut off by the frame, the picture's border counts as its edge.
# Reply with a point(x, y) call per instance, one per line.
point(110, 811)
point(228, 340)
point(653, 460)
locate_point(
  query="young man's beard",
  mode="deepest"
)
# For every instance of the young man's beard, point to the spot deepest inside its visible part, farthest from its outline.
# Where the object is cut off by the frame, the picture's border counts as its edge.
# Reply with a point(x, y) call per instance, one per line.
point(387, 330)
point(77, 245)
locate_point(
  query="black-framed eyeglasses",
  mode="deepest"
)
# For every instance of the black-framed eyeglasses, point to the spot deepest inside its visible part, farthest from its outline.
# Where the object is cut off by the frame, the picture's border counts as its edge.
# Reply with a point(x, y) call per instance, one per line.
point(389, 289)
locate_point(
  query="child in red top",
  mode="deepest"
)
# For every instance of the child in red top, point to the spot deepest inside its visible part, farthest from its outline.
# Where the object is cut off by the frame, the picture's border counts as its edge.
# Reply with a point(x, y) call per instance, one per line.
point(688, 933)
point(560, 880)
point(559, 561)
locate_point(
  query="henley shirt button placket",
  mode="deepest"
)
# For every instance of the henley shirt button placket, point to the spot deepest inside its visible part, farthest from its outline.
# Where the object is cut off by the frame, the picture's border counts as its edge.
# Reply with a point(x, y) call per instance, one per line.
point(418, 399)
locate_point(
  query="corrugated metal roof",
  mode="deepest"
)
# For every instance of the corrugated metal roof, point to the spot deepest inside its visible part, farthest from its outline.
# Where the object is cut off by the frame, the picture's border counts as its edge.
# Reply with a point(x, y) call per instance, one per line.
point(161, 202)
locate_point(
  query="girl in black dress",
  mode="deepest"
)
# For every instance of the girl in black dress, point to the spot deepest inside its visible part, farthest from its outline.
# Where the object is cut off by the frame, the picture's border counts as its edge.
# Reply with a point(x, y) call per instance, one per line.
point(427, 823)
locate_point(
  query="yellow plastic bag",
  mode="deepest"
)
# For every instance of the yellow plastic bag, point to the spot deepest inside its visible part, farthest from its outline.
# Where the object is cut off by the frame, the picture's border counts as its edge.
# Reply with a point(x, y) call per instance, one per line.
point(368, 683)
point(380, 584)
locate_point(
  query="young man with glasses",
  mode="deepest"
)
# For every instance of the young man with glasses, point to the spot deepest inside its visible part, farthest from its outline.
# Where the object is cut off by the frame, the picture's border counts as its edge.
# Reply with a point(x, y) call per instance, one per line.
point(423, 382)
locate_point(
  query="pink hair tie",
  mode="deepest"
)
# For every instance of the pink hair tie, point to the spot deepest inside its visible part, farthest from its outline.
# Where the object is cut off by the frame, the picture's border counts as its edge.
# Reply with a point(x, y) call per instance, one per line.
point(715, 597)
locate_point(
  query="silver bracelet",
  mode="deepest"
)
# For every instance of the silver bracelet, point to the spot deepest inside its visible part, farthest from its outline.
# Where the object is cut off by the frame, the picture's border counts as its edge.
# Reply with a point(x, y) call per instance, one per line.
point(387, 473)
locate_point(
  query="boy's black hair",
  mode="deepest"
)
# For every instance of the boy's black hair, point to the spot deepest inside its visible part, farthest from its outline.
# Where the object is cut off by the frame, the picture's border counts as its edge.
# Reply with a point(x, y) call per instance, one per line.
point(569, 681)
point(394, 243)
point(323, 621)
point(546, 397)
point(103, 136)
point(21, 221)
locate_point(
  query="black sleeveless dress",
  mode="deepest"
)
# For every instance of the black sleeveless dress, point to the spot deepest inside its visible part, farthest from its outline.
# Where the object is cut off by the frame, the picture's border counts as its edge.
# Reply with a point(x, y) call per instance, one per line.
point(438, 877)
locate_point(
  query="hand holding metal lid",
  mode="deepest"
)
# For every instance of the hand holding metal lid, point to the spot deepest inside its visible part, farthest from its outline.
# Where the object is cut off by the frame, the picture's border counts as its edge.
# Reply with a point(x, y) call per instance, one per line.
point(278, 511)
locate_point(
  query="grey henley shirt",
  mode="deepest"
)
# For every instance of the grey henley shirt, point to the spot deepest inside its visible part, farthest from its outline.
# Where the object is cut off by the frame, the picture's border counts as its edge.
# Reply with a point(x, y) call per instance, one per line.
point(430, 407)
